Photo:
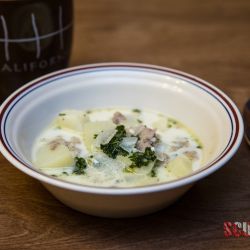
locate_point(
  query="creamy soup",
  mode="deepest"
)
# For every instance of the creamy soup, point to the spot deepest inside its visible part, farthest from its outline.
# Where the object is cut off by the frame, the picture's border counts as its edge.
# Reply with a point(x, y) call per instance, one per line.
point(117, 148)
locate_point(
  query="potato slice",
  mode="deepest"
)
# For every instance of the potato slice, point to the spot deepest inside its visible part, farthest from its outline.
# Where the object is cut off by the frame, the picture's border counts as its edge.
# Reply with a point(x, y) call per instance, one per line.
point(131, 121)
point(91, 129)
point(180, 166)
point(71, 119)
point(160, 124)
point(124, 160)
point(58, 157)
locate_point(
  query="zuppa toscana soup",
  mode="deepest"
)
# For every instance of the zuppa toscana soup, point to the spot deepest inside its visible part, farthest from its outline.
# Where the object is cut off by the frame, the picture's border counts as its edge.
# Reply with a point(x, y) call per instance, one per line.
point(116, 148)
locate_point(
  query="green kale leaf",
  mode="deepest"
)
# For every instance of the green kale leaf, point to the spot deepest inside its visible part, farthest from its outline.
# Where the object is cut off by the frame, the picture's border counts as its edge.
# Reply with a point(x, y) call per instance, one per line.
point(153, 170)
point(140, 159)
point(80, 166)
point(113, 149)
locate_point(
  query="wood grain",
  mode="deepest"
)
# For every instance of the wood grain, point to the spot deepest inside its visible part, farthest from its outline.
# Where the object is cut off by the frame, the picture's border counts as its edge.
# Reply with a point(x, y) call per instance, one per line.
point(207, 38)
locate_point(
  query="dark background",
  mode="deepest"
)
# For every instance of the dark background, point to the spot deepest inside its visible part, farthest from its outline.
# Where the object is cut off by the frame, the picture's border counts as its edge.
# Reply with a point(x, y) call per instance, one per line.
point(22, 65)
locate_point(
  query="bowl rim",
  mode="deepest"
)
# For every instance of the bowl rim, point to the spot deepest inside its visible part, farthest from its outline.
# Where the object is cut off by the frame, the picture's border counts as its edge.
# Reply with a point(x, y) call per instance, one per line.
point(189, 179)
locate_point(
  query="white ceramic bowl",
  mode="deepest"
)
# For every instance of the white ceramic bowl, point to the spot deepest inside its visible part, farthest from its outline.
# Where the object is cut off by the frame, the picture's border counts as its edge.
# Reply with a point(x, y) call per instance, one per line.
point(200, 105)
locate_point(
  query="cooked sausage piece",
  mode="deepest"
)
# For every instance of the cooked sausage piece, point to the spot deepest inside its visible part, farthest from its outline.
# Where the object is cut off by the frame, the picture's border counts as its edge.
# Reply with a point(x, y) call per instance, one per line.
point(118, 118)
point(147, 138)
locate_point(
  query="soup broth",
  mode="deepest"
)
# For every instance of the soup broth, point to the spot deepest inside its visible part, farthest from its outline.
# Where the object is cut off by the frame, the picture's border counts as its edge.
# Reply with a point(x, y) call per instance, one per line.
point(117, 148)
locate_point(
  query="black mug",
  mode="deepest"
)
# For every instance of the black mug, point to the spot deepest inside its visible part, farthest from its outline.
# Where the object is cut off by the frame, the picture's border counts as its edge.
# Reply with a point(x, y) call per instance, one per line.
point(35, 39)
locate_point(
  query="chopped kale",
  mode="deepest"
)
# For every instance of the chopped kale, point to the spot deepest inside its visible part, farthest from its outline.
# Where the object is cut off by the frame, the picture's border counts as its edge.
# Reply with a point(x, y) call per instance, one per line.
point(95, 135)
point(156, 165)
point(199, 144)
point(136, 110)
point(140, 159)
point(140, 121)
point(80, 166)
point(113, 149)
point(129, 169)
point(65, 173)
point(54, 175)
point(88, 111)
point(62, 114)
point(171, 123)
point(153, 173)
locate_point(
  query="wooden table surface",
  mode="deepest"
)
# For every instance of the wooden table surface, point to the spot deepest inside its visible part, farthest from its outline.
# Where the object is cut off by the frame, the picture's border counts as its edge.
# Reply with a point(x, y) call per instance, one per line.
point(210, 39)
